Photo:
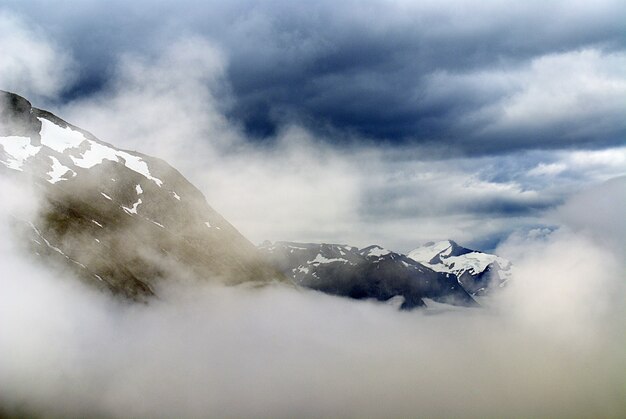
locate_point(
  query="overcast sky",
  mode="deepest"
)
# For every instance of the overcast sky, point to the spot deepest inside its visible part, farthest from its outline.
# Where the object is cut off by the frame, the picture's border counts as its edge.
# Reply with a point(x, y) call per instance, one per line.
point(392, 122)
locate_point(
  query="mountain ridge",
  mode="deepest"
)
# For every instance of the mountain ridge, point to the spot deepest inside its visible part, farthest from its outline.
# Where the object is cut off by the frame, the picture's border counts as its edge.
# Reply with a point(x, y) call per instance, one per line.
point(123, 220)
point(371, 272)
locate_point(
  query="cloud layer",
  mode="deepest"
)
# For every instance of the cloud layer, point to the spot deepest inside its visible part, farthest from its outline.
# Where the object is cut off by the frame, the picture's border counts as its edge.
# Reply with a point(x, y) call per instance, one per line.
point(550, 345)
point(480, 78)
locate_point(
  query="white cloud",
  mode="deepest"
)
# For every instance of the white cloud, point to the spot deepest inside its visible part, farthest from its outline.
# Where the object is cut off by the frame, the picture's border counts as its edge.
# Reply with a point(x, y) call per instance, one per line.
point(553, 340)
point(575, 94)
point(549, 169)
point(31, 65)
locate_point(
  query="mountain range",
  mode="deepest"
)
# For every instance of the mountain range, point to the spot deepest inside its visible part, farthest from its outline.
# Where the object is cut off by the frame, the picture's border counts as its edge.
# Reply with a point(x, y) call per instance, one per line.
point(444, 271)
point(124, 221)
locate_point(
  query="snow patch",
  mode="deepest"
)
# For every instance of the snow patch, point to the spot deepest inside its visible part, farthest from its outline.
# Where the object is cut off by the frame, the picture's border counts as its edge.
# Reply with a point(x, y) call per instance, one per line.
point(377, 251)
point(321, 259)
point(58, 138)
point(133, 210)
point(58, 171)
point(154, 222)
point(18, 149)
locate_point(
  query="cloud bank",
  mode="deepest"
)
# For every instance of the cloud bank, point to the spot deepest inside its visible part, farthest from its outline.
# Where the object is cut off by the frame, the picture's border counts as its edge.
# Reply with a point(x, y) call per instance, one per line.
point(550, 345)
point(477, 79)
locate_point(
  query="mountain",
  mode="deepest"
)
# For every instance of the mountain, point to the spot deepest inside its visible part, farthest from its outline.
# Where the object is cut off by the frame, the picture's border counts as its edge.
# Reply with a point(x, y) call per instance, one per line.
point(371, 272)
point(120, 219)
point(477, 271)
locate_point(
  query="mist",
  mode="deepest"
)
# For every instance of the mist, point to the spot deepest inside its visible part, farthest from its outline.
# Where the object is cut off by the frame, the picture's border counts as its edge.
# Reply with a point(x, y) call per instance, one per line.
point(549, 345)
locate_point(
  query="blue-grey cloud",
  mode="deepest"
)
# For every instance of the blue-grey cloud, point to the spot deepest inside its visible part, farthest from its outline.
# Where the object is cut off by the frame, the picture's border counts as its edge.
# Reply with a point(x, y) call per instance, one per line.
point(479, 78)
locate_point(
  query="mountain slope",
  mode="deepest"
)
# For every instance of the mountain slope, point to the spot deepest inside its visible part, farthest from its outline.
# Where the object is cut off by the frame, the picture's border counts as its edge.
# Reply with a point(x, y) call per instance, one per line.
point(476, 271)
point(372, 272)
point(122, 220)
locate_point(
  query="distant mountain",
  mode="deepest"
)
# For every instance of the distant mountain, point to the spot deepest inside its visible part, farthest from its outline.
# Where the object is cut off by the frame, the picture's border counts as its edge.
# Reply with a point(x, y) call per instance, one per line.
point(477, 271)
point(372, 272)
point(122, 220)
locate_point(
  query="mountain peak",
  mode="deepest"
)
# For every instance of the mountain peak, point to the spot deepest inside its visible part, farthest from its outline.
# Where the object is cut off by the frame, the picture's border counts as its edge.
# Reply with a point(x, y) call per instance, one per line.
point(121, 219)
point(17, 117)
point(475, 270)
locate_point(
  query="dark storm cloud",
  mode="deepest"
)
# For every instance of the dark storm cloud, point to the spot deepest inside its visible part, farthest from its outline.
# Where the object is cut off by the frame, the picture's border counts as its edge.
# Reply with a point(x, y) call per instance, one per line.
point(483, 78)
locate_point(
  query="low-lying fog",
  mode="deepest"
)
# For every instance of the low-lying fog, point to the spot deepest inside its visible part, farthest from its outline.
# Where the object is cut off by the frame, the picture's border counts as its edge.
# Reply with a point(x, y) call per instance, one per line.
point(551, 344)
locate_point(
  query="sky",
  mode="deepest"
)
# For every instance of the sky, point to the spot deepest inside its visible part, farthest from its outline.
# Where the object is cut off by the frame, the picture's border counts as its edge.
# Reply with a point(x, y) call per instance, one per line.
point(388, 122)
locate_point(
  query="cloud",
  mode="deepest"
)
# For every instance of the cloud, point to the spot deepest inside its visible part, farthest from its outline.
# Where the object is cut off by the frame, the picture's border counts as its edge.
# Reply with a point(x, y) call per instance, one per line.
point(470, 78)
point(31, 64)
point(175, 93)
point(549, 345)
point(175, 105)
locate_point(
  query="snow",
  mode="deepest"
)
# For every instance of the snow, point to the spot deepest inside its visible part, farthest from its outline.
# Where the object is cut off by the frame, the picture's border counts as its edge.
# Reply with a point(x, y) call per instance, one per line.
point(160, 225)
point(58, 138)
point(208, 224)
point(303, 269)
point(425, 253)
point(85, 153)
point(94, 155)
point(321, 259)
point(138, 189)
point(133, 210)
point(64, 139)
point(106, 196)
point(473, 262)
point(58, 171)
point(138, 165)
point(175, 195)
point(18, 149)
point(377, 251)
point(97, 223)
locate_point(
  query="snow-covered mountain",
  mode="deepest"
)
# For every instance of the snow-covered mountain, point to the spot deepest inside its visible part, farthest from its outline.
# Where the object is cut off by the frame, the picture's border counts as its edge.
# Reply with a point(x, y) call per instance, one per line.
point(477, 271)
point(372, 272)
point(122, 220)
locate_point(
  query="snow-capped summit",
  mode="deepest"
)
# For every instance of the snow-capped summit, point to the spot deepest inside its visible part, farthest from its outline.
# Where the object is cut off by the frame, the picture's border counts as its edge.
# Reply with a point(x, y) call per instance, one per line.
point(476, 271)
point(121, 219)
point(374, 251)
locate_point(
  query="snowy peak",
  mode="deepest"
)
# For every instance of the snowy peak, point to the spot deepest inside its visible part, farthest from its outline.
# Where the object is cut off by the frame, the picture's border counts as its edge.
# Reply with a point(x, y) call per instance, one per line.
point(374, 251)
point(477, 271)
point(434, 252)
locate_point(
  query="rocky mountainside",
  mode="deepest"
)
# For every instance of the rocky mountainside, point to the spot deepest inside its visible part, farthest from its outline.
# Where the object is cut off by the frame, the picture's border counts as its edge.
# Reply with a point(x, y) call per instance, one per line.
point(122, 220)
point(476, 271)
point(372, 272)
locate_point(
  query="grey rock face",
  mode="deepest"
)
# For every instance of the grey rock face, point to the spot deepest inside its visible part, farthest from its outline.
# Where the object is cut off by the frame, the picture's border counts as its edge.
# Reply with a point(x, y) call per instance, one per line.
point(18, 118)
